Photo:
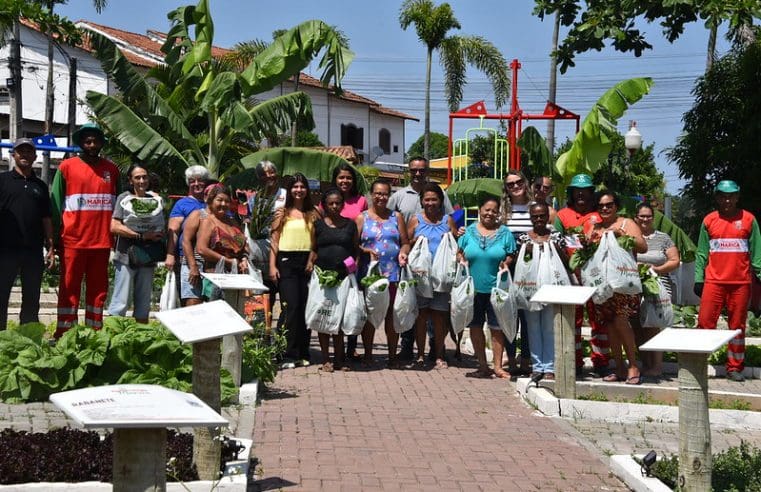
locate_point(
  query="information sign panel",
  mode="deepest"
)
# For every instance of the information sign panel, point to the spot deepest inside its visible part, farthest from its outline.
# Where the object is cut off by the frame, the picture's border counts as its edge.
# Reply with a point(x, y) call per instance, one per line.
point(689, 340)
point(203, 322)
point(563, 294)
point(232, 281)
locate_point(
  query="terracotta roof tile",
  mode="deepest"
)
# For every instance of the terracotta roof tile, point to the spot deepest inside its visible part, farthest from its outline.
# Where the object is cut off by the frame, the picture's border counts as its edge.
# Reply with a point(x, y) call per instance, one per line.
point(343, 151)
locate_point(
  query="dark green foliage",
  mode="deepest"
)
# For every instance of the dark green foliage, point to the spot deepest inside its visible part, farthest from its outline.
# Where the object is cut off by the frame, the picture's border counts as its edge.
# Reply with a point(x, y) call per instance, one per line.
point(735, 469)
point(261, 350)
point(72, 455)
point(720, 138)
point(123, 352)
point(439, 146)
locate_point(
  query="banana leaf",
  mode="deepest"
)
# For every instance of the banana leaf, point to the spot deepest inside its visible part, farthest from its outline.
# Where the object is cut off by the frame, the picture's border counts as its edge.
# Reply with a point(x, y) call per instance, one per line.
point(314, 164)
point(469, 192)
point(592, 144)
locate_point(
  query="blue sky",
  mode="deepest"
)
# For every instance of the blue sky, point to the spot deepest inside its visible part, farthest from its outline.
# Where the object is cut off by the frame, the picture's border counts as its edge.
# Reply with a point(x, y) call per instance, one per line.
point(390, 63)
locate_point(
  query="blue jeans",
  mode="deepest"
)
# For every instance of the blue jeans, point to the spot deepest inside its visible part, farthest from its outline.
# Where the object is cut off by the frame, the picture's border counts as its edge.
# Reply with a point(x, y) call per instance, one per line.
point(126, 280)
point(541, 339)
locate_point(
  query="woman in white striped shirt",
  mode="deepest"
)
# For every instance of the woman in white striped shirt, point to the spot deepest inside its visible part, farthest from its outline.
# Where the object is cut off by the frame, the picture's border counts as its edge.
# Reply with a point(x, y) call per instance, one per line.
point(516, 197)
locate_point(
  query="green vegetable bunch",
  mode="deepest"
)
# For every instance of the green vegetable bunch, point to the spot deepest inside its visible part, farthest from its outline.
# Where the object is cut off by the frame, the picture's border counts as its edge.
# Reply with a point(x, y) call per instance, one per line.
point(327, 278)
point(649, 280)
point(371, 279)
point(144, 206)
point(626, 242)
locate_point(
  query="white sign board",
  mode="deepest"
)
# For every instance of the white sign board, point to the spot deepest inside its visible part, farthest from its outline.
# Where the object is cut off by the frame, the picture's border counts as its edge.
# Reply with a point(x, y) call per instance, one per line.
point(233, 281)
point(689, 340)
point(563, 294)
point(203, 321)
point(136, 406)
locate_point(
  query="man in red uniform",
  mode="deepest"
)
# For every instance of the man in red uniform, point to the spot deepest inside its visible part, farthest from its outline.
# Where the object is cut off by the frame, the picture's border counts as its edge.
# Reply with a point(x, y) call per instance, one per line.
point(83, 194)
point(728, 246)
point(581, 212)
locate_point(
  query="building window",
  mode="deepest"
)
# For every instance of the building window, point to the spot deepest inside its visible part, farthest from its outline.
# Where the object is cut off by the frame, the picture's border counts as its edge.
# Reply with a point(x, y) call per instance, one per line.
point(4, 95)
point(384, 140)
point(396, 149)
point(351, 135)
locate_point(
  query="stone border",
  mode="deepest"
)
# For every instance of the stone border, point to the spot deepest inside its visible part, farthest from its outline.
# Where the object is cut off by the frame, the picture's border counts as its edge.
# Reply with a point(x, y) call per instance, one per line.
point(628, 470)
point(551, 406)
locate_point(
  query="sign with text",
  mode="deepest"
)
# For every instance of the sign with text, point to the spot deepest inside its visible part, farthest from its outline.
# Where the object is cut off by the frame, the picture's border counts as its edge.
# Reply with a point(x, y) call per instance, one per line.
point(205, 321)
point(563, 294)
point(136, 406)
point(233, 281)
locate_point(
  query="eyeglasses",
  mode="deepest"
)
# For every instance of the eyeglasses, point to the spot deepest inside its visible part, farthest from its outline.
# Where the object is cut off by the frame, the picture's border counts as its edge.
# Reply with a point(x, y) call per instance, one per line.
point(606, 205)
point(514, 184)
point(195, 181)
point(421, 170)
point(645, 217)
point(542, 187)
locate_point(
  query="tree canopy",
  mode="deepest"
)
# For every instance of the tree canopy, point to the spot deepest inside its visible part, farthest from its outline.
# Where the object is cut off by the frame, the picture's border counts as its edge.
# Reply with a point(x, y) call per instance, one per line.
point(614, 21)
point(439, 146)
point(721, 132)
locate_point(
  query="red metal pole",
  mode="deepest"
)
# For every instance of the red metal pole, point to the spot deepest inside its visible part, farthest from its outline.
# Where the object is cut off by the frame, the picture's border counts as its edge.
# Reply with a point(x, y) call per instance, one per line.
point(512, 137)
point(449, 153)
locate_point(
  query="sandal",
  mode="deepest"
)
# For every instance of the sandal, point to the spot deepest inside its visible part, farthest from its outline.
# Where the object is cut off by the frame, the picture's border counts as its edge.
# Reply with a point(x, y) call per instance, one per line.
point(441, 364)
point(327, 367)
point(501, 374)
point(480, 374)
point(634, 380)
point(612, 378)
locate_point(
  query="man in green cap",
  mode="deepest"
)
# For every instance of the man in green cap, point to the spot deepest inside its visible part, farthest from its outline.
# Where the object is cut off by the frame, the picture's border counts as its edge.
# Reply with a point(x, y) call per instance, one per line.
point(728, 247)
point(83, 195)
point(582, 213)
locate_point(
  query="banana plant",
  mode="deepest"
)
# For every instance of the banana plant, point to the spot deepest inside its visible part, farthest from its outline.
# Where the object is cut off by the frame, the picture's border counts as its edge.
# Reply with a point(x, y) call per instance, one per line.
point(592, 144)
point(199, 110)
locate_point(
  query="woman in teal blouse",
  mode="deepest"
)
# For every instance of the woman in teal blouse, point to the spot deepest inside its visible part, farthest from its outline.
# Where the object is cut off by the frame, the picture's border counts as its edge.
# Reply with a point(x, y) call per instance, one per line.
point(486, 247)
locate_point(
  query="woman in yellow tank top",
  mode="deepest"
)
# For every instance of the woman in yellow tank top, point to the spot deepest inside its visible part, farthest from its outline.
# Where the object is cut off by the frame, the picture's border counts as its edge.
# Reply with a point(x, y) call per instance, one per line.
point(289, 254)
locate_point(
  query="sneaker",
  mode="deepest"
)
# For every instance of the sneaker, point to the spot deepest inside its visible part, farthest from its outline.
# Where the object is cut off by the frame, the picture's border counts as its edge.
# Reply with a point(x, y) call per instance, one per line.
point(302, 363)
point(288, 364)
point(735, 376)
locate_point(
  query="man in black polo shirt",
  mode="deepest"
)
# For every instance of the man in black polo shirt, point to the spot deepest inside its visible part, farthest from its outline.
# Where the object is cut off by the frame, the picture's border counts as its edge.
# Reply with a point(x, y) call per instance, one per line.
point(24, 227)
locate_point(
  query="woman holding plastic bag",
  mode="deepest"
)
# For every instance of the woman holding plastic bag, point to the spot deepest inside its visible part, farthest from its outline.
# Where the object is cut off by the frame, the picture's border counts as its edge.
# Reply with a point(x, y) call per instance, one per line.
point(547, 248)
point(615, 312)
point(434, 225)
point(334, 239)
point(486, 247)
point(382, 239)
point(662, 257)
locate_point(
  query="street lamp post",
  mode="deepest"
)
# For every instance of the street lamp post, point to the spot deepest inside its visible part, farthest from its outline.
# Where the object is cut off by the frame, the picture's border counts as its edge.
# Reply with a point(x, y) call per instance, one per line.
point(633, 139)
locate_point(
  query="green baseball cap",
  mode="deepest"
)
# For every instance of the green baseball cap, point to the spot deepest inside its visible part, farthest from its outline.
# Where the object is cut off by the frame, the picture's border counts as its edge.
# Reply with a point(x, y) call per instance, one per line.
point(581, 181)
point(727, 186)
point(87, 127)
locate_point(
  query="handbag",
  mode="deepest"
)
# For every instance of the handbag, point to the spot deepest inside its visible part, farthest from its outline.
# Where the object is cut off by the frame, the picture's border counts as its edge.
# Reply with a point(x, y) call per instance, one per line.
point(146, 253)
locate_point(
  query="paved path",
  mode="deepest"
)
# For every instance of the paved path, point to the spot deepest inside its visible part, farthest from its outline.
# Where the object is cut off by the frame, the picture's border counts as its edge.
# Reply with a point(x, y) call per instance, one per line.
point(381, 429)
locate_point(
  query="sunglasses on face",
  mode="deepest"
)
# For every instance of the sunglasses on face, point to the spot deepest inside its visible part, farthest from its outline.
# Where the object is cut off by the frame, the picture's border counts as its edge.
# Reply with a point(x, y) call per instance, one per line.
point(514, 184)
point(418, 171)
point(645, 217)
point(606, 205)
point(542, 187)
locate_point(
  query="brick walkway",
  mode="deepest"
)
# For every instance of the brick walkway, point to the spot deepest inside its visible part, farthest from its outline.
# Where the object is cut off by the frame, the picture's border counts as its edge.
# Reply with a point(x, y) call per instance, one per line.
point(381, 429)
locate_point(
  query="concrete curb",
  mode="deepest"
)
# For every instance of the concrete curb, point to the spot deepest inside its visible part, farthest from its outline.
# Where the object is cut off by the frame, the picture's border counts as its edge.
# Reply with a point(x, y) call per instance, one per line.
point(626, 413)
point(625, 468)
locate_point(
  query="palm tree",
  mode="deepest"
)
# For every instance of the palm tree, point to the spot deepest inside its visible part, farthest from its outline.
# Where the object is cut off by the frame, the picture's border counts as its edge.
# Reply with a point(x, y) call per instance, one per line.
point(432, 23)
point(49, 94)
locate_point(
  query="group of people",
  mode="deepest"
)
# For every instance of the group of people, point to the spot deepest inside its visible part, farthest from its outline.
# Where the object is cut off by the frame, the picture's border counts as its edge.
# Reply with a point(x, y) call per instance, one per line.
point(90, 216)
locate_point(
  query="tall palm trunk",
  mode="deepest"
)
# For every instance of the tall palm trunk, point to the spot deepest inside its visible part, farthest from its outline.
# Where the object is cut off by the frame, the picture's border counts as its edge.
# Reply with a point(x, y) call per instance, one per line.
point(711, 55)
point(427, 128)
point(553, 83)
point(49, 102)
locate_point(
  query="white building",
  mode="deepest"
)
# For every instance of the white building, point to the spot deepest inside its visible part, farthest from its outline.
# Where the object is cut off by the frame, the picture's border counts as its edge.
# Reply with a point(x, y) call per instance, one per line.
point(348, 119)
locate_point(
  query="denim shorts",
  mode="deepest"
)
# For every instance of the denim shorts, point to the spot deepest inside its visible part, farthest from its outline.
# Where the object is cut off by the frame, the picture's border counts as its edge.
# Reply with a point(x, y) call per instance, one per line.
point(483, 311)
point(188, 290)
point(439, 302)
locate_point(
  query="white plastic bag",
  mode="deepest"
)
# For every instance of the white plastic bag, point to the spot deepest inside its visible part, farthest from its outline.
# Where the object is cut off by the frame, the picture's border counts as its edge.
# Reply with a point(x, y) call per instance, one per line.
point(325, 306)
point(169, 299)
point(622, 272)
point(377, 298)
point(505, 306)
point(526, 276)
point(405, 303)
point(355, 315)
point(444, 264)
point(420, 261)
point(657, 311)
point(463, 296)
point(593, 273)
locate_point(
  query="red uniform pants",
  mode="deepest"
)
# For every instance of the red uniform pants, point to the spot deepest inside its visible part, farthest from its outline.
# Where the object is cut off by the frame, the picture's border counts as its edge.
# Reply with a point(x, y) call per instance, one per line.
point(735, 297)
point(600, 343)
point(76, 264)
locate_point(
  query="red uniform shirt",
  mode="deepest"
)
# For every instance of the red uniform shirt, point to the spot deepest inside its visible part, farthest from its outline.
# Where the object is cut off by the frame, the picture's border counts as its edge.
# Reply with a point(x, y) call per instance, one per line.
point(568, 218)
point(726, 248)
